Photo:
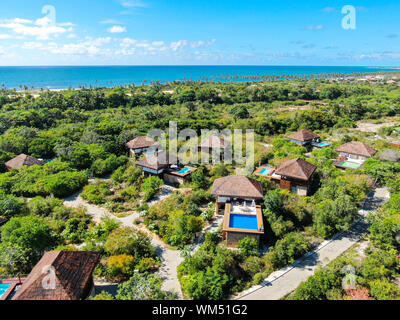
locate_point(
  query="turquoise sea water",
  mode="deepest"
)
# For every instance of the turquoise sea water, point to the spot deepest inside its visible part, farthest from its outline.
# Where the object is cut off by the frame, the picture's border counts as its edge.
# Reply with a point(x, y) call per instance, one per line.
point(65, 77)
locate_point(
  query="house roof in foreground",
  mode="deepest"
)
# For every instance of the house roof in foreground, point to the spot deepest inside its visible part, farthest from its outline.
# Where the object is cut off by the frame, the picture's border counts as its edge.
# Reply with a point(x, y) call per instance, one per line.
point(297, 168)
point(23, 160)
point(303, 135)
point(213, 142)
point(141, 142)
point(358, 148)
point(158, 161)
point(73, 272)
point(237, 187)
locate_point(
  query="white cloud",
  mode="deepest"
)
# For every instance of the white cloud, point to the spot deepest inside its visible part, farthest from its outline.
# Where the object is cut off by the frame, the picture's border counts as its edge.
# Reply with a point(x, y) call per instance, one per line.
point(110, 21)
point(32, 45)
point(42, 28)
point(117, 29)
point(317, 27)
point(132, 3)
point(5, 36)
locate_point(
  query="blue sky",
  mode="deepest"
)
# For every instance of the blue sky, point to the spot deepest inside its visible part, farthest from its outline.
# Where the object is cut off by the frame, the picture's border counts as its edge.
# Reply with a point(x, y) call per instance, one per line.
point(198, 32)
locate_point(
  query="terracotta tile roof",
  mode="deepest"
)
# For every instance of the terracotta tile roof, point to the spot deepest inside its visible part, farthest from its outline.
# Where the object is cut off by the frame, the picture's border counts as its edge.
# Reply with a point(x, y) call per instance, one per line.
point(237, 187)
point(141, 142)
point(73, 274)
point(23, 160)
point(303, 135)
point(297, 168)
point(357, 148)
point(158, 161)
point(213, 142)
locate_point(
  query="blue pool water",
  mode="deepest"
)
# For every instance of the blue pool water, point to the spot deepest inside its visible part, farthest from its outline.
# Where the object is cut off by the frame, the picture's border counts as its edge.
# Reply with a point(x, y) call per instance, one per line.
point(184, 171)
point(265, 171)
point(324, 144)
point(243, 221)
point(4, 288)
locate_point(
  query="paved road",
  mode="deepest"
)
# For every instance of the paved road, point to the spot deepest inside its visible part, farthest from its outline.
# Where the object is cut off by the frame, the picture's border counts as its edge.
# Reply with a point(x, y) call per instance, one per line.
point(283, 282)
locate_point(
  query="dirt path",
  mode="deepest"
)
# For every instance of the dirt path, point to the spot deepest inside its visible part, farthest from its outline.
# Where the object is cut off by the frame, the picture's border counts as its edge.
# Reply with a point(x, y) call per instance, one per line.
point(284, 281)
point(170, 258)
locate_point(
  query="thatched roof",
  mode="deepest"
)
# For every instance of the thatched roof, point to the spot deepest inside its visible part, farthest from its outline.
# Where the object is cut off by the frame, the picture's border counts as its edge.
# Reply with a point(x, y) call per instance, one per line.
point(303, 135)
point(297, 168)
point(141, 142)
point(237, 187)
point(73, 274)
point(357, 148)
point(23, 160)
point(158, 161)
point(213, 142)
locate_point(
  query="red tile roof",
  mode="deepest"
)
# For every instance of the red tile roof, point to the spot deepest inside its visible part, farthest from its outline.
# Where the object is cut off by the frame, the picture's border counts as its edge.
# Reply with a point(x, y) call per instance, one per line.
point(357, 148)
point(303, 135)
point(73, 274)
point(297, 168)
point(141, 142)
point(237, 187)
point(23, 160)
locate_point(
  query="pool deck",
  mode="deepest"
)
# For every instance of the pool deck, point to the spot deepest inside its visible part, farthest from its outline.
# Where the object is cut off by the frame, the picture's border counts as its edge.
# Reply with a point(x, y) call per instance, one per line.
point(13, 283)
point(339, 164)
point(227, 218)
point(259, 169)
point(176, 173)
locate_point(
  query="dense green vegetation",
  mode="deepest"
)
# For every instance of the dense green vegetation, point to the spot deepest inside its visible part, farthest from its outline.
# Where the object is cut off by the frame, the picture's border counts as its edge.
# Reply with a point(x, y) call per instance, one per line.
point(82, 134)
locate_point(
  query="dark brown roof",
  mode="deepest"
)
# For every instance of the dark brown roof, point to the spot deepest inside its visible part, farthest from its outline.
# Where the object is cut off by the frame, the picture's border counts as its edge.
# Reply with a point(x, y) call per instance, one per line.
point(3, 221)
point(237, 187)
point(297, 168)
point(158, 161)
point(141, 142)
point(357, 148)
point(303, 135)
point(73, 274)
point(213, 142)
point(23, 160)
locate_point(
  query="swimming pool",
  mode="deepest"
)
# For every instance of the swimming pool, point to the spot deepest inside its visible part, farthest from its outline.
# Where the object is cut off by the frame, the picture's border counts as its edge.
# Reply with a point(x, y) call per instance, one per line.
point(265, 171)
point(3, 288)
point(243, 221)
point(351, 165)
point(184, 171)
point(323, 144)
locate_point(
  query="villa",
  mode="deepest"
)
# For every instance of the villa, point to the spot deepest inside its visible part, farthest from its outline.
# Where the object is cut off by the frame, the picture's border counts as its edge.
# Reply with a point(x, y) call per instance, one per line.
point(167, 167)
point(208, 145)
point(308, 138)
point(296, 175)
point(141, 145)
point(72, 277)
point(239, 196)
point(352, 155)
point(23, 160)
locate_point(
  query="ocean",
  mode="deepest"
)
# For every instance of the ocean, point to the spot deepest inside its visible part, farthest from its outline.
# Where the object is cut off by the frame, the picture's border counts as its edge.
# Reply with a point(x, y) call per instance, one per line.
point(109, 76)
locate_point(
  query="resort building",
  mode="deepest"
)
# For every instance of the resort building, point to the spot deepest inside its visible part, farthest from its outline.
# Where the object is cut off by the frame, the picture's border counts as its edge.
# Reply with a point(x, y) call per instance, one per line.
point(141, 145)
point(208, 145)
point(352, 155)
point(167, 167)
point(23, 160)
point(308, 138)
point(239, 196)
point(158, 163)
point(296, 175)
point(72, 272)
